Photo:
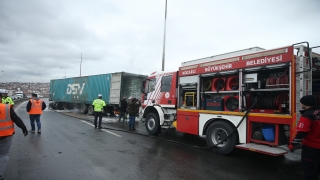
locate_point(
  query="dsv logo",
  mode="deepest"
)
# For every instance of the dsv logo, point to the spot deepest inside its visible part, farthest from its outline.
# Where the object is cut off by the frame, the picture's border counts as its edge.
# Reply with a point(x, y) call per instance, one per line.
point(75, 88)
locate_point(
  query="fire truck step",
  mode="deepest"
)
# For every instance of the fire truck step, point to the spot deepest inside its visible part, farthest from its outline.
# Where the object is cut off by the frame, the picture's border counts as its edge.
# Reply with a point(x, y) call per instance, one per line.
point(165, 127)
point(274, 151)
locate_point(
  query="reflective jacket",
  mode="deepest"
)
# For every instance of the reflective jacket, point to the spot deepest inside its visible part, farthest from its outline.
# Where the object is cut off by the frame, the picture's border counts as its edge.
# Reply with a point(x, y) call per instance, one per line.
point(98, 105)
point(7, 100)
point(6, 124)
point(36, 106)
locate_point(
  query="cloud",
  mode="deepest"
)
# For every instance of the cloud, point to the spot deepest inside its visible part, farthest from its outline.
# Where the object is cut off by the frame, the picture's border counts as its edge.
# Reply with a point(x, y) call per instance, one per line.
point(40, 40)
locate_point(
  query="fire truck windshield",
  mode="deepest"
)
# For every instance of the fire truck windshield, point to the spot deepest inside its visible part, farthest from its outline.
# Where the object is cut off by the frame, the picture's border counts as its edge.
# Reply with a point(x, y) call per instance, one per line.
point(150, 85)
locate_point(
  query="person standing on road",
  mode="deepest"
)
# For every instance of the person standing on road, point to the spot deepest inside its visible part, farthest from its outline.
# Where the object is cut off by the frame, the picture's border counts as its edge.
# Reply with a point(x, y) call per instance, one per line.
point(7, 119)
point(133, 108)
point(308, 129)
point(35, 107)
point(6, 99)
point(123, 109)
point(98, 106)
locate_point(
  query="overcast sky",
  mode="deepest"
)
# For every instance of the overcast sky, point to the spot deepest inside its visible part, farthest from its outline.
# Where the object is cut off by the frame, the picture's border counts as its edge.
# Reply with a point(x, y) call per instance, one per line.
point(40, 37)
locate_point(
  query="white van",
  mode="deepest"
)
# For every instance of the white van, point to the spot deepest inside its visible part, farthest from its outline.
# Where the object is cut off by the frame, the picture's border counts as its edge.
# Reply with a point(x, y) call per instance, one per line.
point(19, 94)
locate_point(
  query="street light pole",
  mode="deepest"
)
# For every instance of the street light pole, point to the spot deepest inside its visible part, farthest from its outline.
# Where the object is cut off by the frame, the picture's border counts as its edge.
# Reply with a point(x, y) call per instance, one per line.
point(164, 37)
point(65, 72)
point(80, 64)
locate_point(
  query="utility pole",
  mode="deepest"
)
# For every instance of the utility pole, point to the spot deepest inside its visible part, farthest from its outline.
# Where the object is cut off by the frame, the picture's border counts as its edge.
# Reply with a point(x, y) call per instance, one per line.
point(164, 37)
point(65, 72)
point(80, 64)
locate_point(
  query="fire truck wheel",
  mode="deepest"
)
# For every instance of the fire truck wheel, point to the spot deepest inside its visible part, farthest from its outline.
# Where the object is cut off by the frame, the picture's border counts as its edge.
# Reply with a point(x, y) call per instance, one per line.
point(217, 132)
point(84, 108)
point(90, 110)
point(153, 124)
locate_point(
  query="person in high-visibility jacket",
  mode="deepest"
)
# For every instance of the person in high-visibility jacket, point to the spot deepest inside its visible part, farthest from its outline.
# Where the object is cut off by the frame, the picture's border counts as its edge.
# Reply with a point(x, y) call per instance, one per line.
point(7, 120)
point(35, 107)
point(98, 106)
point(6, 99)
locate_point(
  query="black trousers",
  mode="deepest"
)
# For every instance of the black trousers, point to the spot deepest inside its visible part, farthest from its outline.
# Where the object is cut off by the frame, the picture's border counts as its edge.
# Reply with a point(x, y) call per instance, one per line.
point(310, 160)
point(96, 115)
point(122, 114)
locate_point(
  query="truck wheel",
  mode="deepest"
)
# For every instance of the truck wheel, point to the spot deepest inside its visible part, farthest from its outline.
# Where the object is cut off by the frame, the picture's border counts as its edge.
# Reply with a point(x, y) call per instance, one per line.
point(51, 105)
point(84, 108)
point(90, 110)
point(60, 106)
point(70, 106)
point(55, 105)
point(153, 124)
point(217, 132)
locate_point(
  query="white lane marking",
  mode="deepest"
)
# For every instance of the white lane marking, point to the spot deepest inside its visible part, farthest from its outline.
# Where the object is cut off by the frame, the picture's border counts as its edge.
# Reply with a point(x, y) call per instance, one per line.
point(103, 129)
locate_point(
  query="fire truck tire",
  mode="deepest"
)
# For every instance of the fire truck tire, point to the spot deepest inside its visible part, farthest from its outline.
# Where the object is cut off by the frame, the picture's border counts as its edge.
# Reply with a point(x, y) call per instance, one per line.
point(84, 108)
point(153, 124)
point(218, 131)
point(90, 110)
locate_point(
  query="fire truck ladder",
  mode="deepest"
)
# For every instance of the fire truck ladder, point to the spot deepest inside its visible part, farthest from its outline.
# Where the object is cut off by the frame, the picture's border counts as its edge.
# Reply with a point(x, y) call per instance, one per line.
point(303, 75)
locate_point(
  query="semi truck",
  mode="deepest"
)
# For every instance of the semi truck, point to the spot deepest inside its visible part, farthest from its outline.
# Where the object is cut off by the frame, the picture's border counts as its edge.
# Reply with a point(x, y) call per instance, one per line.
point(79, 92)
point(247, 99)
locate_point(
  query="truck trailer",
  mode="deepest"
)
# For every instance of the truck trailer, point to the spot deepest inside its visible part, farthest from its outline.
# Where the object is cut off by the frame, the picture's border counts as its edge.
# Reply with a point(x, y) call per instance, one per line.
point(79, 92)
point(246, 99)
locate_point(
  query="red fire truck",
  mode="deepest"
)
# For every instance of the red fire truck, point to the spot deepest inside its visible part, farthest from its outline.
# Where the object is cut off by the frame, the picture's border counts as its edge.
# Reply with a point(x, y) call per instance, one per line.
point(246, 99)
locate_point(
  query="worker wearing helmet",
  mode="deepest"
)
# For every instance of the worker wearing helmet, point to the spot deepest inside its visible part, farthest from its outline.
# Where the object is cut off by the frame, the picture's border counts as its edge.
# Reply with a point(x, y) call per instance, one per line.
point(6, 99)
point(1, 94)
point(98, 106)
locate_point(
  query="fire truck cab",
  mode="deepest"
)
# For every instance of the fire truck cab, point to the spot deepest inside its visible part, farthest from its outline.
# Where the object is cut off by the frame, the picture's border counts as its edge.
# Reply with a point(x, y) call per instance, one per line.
point(246, 99)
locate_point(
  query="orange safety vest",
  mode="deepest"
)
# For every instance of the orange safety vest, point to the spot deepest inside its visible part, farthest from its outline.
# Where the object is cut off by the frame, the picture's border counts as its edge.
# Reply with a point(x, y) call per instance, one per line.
point(36, 106)
point(6, 124)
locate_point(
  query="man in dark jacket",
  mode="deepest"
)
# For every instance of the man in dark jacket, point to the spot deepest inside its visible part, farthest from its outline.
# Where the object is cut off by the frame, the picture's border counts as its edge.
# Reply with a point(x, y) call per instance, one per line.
point(123, 108)
point(7, 118)
point(308, 129)
point(133, 108)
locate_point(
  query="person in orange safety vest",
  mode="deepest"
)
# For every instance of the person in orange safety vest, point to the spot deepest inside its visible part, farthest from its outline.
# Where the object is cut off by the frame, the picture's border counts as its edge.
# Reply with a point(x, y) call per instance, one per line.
point(7, 120)
point(35, 107)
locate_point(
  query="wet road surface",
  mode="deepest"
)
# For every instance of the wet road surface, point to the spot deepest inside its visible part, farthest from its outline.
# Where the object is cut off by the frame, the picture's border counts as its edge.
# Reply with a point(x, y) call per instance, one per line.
point(70, 148)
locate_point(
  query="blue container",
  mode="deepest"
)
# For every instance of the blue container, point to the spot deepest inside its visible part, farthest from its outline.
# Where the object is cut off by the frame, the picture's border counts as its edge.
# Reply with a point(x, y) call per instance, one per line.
point(268, 132)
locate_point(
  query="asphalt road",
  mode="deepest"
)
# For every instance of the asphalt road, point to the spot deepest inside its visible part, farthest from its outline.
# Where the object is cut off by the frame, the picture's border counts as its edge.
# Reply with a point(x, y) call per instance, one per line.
point(70, 148)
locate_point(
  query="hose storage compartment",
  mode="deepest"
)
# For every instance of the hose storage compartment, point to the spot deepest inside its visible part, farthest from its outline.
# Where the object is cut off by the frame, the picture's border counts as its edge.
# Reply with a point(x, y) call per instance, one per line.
point(282, 82)
point(231, 103)
point(271, 101)
point(218, 84)
point(232, 83)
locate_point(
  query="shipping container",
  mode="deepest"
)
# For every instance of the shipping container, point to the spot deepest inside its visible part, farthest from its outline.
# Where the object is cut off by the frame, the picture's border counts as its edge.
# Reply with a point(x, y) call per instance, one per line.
point(80, 92)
